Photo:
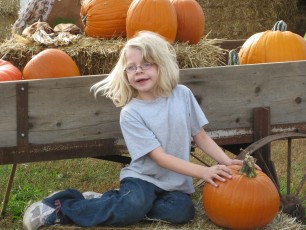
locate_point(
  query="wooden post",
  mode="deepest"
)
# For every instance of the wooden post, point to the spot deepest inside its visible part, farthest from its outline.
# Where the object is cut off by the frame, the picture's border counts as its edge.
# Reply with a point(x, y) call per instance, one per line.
point(22, 134)
point(262, 128)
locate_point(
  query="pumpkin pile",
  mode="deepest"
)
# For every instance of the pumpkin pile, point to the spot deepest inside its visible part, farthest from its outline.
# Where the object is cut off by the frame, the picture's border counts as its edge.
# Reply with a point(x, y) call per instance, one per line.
point(249, 200)
point(50, 63)
point(190, 21)
point(276, 45)
point(105, 19)
point(180, 20)
point(157, 16)
point(9, 72)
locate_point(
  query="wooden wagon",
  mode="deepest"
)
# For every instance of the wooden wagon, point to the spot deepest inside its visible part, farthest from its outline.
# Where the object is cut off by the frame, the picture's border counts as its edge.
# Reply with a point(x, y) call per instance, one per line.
point(248, 107)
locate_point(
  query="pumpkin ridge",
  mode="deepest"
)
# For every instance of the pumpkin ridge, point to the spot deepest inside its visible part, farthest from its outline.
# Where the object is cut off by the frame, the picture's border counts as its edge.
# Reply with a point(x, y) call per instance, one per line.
point(156, 16)
point(190, 19)
point(105, 19)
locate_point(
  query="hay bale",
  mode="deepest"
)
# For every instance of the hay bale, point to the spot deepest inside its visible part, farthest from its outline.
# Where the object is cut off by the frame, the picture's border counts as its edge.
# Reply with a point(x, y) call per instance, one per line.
point(8, 15)
point(99, 56)
point(9, 7)
point(6, 23)
point(242, 18)
point(200, 222)
point(224, 19)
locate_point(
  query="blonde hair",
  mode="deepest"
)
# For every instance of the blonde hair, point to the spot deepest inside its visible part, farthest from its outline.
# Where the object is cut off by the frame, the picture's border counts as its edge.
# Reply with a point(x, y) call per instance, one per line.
point(154, 48)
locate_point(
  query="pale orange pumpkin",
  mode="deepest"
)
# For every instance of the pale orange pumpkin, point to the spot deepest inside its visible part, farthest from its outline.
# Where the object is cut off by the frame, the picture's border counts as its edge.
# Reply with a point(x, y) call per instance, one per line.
point(9, 72)
point(50, 63)
point(276, 45)
point(158, 16)
point(104, 19)
point(190, 21)
point(249, 200)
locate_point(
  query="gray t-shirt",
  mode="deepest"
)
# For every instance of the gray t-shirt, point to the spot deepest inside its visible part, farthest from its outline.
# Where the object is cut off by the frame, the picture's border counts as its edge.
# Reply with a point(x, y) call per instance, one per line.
point(169, 122)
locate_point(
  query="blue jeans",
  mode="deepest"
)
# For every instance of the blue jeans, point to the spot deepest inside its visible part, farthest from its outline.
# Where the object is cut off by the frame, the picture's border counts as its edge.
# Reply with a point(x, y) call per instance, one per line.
point(136, 200)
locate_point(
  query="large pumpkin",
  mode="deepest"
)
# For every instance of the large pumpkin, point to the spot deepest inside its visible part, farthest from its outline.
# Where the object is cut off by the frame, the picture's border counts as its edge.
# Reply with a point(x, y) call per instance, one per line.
point(276, 45)
point(249, 200)
point(158, 16)
point(104, 19)
point(9, 72)
point(190, 21)
point(50, 63)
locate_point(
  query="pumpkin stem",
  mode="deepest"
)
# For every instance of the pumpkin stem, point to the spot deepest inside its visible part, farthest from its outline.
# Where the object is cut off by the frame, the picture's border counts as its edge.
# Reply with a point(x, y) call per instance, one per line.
point(233, 57)
point(280, 25)
point(248, 167)
point(83, 19)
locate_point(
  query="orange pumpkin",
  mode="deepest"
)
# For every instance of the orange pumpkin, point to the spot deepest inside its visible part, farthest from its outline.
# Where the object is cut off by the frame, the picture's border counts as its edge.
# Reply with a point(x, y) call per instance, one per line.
point(158, 16)
point(104, 19)
point(190, 21)
point(9, 72)
point(50, 63)
point(249, 200)
point(276, 45)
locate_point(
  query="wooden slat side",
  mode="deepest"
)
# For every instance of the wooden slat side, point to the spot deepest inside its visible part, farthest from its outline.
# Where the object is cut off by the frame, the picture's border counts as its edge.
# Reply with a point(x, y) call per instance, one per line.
point(228, 94)
point(65, 110)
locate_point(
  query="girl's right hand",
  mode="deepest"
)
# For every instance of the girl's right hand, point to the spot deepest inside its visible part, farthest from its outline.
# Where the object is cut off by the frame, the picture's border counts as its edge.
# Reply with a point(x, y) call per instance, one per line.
point(217, 172)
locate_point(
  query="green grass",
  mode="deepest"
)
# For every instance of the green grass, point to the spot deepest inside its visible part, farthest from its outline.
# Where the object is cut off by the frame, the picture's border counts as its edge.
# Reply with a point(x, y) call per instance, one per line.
point(33, 181)
point(279, 157)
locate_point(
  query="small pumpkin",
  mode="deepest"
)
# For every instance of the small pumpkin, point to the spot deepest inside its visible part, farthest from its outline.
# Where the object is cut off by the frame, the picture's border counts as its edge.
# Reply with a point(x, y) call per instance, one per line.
point(50, 63)
point(104, 19)
point(190, 21)
point(9, 72)
point(249, 200)
point(158, 16)
point(276, 45)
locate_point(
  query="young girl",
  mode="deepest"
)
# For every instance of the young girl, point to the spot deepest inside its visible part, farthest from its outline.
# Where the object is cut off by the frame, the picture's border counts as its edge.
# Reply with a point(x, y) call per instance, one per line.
point(159, 119)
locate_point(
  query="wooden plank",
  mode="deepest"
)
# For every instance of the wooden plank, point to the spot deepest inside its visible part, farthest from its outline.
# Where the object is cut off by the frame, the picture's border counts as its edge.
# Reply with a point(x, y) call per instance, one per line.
point(64, 110)
point(8, 121)
point(228, 94)
point(59, 151)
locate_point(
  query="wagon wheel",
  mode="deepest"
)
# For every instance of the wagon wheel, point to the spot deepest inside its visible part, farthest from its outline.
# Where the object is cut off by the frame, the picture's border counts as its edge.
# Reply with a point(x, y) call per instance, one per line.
point(291, 202)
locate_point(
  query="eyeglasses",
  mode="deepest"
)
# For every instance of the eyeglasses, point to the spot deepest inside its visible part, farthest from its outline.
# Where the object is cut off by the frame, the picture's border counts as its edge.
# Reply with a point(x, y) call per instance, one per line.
point(133, 68)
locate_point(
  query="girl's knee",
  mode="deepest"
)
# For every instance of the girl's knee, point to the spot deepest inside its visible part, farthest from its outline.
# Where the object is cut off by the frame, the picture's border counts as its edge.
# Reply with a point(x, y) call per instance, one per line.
point(135, 206)
point(184, 215)
point(175, 208)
